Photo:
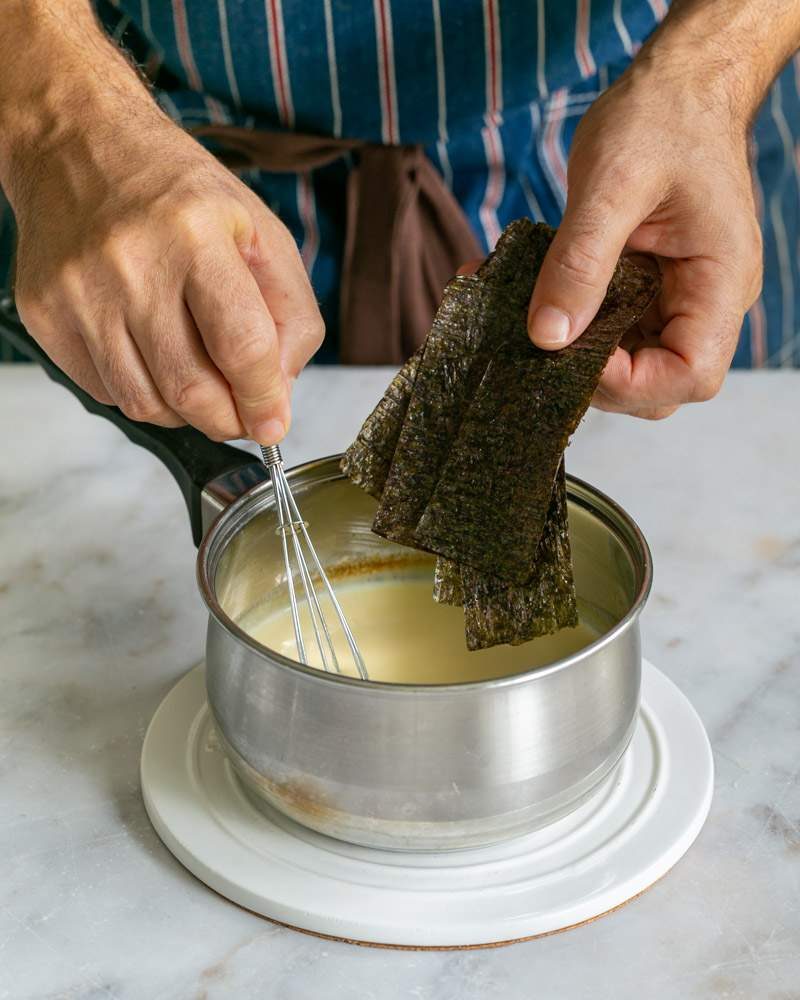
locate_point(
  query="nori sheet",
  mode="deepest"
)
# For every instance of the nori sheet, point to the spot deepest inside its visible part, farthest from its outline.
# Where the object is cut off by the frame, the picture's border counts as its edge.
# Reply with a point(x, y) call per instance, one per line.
point(474, 427)
point(497, 610)
point(438, 401)
point(366, 462)
point(467, 330)
point(527, 406)
point(447, 588)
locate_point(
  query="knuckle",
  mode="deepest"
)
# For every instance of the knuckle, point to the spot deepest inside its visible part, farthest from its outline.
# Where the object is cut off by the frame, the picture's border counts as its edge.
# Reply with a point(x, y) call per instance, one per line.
point(706, 386)
point(660, 414)
point(143, 408)
point(68, 279)
point(100, 393)
point(206, 405)
point(747, 244)
point(578, 261)
point(746, 248)
point(317, 331)
point(191, 220)
point(279, 234)
point(31, 310)
point(600, 192)
point(756, 287)
point(269, 242)
point(268, 395)
point(195, 395)
point(615, 175)
point(756, 279)
point(120, 259)
point(222, 429)
point(310, 334)
point(755, 241)
point(239, 354)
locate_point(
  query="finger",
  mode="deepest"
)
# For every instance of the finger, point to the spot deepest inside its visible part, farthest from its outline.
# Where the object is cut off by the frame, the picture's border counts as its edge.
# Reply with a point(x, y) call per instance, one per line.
point(701, 305)
point(580, 261)
point(76, 362)
point(645, 332)
point(651, 322)
point(240, 336)
point(66, 349)
point(601, 402)
point(608, 397)
point(188, 380)
point(636, 338)
point(125, 375)
point(651, 377)
point(279, 272)
point(632, 339)
point(117, 358)
point(98, 318)
point(662, 376)
point(688, 360)
point(299, 340)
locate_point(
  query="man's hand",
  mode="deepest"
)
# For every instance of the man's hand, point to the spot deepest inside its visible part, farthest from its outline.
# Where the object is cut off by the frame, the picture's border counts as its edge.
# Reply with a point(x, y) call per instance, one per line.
point(659, 164)
point(146, 270)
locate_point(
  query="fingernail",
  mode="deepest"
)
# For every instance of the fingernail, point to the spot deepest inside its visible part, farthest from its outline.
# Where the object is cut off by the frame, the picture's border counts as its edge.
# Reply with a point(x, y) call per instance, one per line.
point(549, 327)
point(269, 432)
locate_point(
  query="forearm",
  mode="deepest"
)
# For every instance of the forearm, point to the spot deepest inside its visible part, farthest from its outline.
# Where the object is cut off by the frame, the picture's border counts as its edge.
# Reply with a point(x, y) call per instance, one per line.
point(58, 70)
point(731, 49)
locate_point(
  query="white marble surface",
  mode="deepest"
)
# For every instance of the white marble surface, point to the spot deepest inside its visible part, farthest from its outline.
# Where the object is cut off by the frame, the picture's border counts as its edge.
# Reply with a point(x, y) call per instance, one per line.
point(99, 617)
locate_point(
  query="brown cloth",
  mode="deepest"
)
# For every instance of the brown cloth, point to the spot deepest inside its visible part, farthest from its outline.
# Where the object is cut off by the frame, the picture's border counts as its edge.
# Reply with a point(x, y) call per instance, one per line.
point(406, 234)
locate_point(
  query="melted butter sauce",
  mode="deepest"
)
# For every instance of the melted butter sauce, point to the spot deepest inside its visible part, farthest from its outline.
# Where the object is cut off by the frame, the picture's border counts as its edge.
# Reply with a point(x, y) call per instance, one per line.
point(405, 637)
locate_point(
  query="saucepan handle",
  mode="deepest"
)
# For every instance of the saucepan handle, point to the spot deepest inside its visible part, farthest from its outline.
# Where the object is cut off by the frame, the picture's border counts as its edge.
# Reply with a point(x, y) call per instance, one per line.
point(190, 456)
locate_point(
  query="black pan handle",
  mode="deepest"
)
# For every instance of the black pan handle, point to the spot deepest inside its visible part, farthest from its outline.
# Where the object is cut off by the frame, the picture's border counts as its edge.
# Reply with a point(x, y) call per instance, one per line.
point(189, 455)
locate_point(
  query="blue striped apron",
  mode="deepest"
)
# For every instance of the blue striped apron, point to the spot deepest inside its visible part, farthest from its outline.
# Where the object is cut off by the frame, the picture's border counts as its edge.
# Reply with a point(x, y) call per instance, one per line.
point(493, 89)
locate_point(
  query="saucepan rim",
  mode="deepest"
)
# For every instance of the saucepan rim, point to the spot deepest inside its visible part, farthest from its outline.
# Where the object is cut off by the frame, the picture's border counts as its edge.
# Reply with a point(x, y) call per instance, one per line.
point(230, 522)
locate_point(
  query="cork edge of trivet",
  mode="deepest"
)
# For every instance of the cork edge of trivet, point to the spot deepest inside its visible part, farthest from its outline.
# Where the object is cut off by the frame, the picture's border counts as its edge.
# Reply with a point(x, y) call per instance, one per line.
point(443, 947)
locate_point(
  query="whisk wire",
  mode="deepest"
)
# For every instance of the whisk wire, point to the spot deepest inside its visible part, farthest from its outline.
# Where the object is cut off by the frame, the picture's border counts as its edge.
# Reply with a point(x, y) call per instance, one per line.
point(282, 526)
point(318, 622)
point(290, 521)
point(351, 642)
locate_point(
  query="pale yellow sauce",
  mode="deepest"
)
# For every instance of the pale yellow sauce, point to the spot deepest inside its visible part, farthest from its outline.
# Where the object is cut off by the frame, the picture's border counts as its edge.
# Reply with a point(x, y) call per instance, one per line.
point(405, 637)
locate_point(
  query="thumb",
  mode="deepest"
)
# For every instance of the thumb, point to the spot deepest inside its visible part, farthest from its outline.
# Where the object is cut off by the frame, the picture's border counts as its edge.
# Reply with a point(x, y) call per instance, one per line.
point(578, 266)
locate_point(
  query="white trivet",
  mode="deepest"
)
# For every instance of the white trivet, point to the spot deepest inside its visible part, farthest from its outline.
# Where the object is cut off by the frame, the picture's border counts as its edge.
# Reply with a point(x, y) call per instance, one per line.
point(634, 828)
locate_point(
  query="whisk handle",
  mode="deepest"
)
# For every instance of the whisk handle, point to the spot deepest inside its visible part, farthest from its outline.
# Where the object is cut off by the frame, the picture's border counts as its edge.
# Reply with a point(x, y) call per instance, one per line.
point(271, 455)
point(190, 456)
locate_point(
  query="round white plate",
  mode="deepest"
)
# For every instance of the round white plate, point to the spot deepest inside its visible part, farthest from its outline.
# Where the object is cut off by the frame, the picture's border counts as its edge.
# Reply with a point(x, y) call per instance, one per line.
point(634, 828)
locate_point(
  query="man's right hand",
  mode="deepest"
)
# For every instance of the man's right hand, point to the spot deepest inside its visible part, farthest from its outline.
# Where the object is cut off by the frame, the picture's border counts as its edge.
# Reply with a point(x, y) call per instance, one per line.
point(149, 273)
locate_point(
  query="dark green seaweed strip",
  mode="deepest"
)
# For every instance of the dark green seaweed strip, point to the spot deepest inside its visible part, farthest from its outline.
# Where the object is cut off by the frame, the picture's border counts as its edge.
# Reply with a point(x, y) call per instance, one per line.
point(497, 611)
point(462, 339)
point(366, 462)
point(438, 400)
point(447, 588)
point(490, 503)
point(473, 323)
point(368, 459)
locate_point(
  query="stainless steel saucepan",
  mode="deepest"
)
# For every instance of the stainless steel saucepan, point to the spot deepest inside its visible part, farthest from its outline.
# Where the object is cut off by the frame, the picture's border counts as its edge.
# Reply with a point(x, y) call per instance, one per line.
point(407, 767)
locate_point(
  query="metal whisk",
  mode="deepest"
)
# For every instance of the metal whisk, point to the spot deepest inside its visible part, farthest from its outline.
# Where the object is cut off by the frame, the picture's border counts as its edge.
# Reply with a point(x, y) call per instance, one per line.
point(291, 524)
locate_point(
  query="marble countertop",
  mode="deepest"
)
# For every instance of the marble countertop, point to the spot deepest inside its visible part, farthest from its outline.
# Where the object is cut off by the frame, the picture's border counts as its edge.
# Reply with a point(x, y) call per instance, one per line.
point(99, 617)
